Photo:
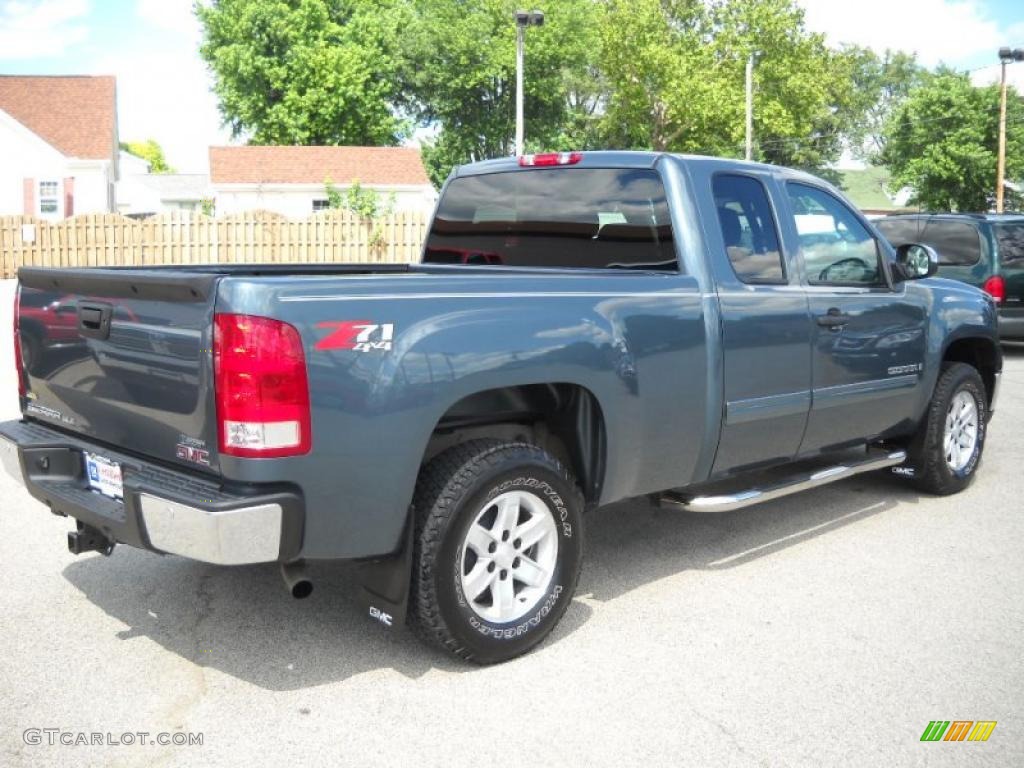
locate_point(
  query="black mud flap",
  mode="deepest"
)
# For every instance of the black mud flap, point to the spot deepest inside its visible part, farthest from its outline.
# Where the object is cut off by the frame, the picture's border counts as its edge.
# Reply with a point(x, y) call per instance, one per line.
point(385, 582)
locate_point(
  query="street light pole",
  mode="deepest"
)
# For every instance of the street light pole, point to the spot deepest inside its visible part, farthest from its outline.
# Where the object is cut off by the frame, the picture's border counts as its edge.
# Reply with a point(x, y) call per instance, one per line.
point(523, 19)
point(519, 35)
point(1001, 163)
point(1006, 56)
point(750, 107)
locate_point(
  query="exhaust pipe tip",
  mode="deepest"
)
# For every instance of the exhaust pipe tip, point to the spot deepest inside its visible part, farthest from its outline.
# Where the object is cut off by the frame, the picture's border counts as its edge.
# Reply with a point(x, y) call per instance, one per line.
point(296, 580)
point(302, 589)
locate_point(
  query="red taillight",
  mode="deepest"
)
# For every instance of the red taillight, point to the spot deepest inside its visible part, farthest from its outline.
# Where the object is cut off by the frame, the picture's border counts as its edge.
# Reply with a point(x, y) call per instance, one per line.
point(19, 366)
point(261, 386)
point(995, 287)
point(551, 158)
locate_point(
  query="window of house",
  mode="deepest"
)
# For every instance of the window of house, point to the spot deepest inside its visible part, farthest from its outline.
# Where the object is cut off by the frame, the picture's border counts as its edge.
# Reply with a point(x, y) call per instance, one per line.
point(49, 197)
point(748, 229)
point(321, 205)
point(837, 248)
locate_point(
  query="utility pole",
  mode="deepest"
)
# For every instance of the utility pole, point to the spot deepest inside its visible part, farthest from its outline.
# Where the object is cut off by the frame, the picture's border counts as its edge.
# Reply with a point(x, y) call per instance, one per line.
point(750, 107)
point(1006, 56)
point(524, 19)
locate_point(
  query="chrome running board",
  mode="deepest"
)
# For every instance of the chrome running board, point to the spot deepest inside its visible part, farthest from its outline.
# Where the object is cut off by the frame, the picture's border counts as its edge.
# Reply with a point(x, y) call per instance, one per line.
point(875, 459)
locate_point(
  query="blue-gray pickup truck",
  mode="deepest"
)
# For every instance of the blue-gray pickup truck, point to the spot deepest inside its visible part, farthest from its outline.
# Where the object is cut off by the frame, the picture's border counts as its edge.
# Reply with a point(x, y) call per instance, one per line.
point(583, 328)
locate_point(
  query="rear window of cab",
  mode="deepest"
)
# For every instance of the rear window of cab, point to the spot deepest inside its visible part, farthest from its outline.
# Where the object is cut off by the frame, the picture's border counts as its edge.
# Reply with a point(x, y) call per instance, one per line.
point(555, 217)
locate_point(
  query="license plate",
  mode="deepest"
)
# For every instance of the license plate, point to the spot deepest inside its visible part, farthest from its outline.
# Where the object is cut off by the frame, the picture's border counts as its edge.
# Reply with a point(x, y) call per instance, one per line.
point(104, 475)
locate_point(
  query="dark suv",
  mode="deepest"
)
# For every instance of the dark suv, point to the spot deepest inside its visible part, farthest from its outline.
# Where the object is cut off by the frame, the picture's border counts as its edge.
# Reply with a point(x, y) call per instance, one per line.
point(985, 250)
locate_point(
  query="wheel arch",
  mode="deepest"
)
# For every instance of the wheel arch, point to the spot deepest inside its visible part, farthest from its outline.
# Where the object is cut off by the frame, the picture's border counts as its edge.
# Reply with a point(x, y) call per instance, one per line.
point(982, 354)
point(564, 418)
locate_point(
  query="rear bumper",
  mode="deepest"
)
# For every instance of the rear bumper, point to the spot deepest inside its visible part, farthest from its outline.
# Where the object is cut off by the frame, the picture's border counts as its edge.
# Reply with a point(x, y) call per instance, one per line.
point(163, 510)
point(1011, 326)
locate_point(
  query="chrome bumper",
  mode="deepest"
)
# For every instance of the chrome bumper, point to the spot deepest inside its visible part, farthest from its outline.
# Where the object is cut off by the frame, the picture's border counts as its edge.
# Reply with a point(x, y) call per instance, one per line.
point(9, 459)
point(164, 510)
point(233, 537)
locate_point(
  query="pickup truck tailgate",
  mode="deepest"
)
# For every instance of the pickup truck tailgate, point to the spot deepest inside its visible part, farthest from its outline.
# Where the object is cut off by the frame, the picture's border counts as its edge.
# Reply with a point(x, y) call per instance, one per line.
point(122, 356)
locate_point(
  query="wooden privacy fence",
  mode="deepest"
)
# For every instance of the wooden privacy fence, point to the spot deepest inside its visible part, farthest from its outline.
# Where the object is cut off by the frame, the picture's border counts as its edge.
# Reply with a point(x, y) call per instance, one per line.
point(185, 237)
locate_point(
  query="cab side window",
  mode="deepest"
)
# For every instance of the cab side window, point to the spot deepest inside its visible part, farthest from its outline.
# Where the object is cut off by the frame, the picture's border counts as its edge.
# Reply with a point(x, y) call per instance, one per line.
point(748, 229)
point(837, 249)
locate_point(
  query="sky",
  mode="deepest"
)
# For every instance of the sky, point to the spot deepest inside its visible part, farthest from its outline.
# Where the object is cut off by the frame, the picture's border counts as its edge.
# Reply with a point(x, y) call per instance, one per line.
point(163, 87)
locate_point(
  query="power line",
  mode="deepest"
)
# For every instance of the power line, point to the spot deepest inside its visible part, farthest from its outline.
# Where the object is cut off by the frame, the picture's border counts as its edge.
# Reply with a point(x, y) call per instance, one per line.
point(783, 140)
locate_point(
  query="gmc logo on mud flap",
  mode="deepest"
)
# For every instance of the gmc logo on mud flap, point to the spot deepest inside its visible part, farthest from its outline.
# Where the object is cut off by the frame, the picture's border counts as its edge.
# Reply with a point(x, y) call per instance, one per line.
point(357, 335)
point(381, 616)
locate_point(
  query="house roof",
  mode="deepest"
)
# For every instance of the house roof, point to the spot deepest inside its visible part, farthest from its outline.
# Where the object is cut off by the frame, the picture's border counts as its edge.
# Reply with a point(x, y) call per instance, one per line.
point(75, 114)
point(314, 165)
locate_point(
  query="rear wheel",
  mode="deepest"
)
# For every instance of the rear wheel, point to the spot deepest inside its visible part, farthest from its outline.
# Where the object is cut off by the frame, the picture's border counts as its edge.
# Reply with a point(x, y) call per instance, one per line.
point(948, 447)
point(497, 549)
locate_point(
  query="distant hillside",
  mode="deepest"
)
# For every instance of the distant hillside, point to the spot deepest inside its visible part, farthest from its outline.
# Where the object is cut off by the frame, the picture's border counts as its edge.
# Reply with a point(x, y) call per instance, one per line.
point(866, 188)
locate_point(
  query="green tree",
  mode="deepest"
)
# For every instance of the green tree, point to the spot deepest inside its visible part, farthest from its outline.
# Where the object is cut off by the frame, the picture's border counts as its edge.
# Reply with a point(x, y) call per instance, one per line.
point(676, 74)
point(366, 203)
point(460, 78)
point(306, 71)
point(151, 152)
point(942, 142)
point(880, 86)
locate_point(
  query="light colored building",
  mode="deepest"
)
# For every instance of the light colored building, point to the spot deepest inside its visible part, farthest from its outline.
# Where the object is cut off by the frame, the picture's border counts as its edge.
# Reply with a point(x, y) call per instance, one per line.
point(58, 145)
point(141, 193)
point(291, 180)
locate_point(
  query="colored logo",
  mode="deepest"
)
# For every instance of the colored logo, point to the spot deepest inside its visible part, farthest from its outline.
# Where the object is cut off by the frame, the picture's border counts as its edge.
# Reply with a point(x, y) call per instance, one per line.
point(357, 335)
point(958, 730)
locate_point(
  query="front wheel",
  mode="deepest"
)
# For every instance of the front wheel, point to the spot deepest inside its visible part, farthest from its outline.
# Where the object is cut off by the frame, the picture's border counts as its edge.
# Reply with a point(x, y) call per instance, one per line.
point(948, 447)
point(497, 550)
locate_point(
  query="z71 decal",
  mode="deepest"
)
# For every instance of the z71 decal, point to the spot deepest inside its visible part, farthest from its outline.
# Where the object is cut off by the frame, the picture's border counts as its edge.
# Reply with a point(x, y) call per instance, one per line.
point(357, 335)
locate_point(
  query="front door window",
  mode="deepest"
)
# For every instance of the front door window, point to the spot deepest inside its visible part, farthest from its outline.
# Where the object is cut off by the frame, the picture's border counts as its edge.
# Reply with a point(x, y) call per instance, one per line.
point(837, 248)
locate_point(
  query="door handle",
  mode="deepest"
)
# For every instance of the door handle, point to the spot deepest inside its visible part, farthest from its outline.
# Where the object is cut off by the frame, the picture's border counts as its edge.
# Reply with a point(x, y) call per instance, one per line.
point(833, 319)
point(94, 320)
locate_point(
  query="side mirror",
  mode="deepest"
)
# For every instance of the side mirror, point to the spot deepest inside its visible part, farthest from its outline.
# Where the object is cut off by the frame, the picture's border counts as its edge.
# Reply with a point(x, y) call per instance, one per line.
point(915, 261)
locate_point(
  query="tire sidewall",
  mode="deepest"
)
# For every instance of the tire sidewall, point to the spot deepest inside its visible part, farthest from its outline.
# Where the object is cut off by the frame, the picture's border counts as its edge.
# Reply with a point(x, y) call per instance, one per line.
point(970, 386)
point(934, 474)
point(489, 641)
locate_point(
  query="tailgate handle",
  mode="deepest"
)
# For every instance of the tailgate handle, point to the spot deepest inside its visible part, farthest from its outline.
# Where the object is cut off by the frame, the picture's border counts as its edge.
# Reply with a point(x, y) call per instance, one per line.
point(94, 320)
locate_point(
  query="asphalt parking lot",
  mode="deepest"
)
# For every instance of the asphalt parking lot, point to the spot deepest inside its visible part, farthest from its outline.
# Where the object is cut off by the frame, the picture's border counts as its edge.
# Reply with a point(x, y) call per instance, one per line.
point(824, 629)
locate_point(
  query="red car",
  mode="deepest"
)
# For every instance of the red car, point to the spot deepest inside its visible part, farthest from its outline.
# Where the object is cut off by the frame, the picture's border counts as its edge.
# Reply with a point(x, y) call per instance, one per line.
point(45, 324)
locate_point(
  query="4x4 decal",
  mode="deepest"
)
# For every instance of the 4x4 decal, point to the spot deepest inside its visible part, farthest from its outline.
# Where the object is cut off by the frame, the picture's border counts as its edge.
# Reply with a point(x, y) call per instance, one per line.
point(357, 335)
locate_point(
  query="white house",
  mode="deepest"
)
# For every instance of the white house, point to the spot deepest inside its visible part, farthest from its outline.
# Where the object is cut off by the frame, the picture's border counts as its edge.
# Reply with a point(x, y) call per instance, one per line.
point(141, 193)
point(58, 145)
point(291, 180)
